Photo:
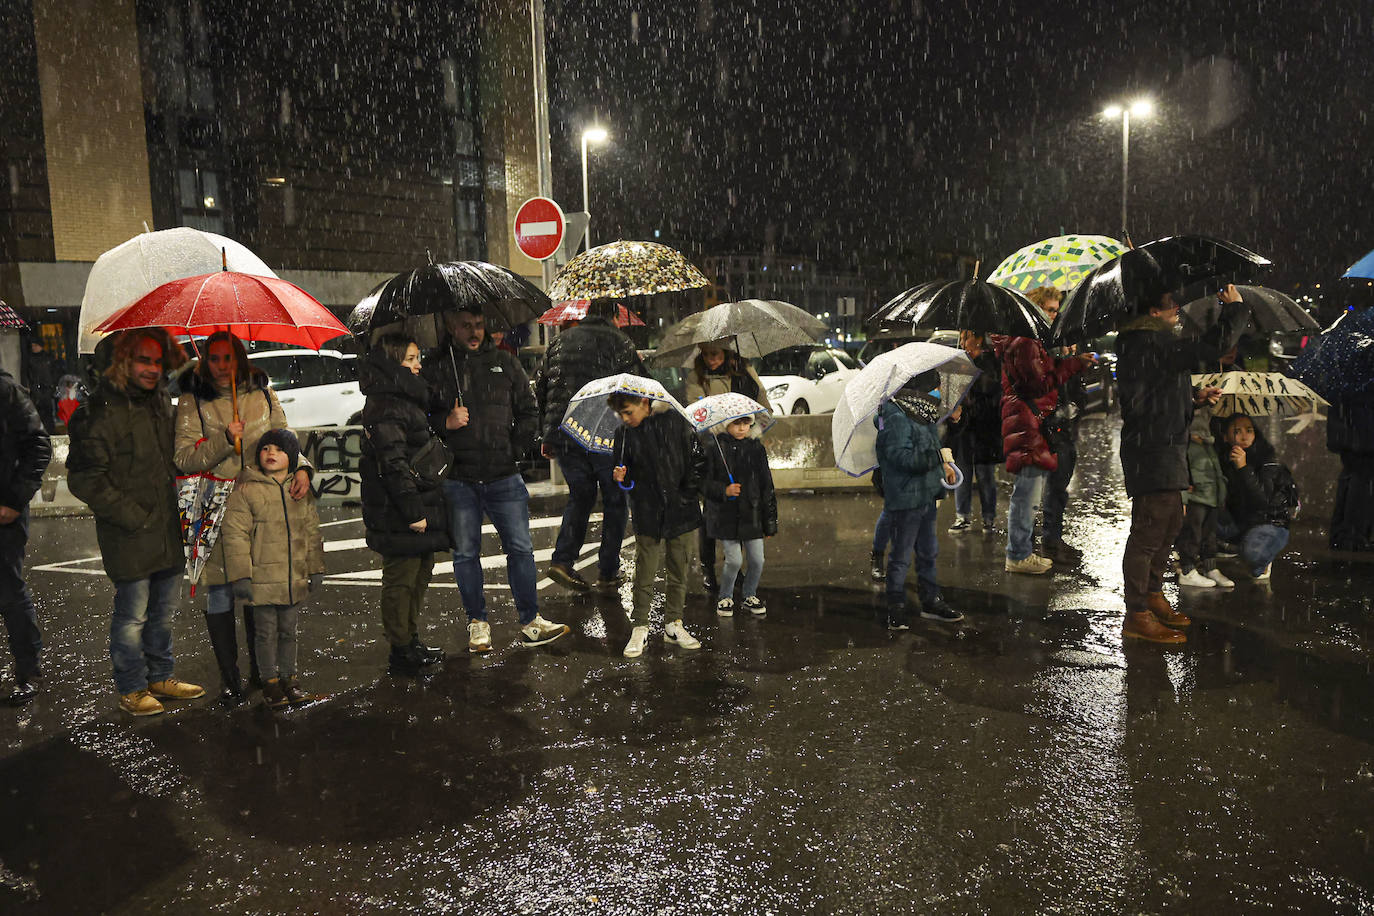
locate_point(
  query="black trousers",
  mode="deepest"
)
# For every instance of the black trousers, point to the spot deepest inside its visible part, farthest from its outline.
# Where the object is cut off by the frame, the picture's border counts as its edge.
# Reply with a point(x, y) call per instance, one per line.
point(1197, 539)
point(1352, 516)
point(16, 602)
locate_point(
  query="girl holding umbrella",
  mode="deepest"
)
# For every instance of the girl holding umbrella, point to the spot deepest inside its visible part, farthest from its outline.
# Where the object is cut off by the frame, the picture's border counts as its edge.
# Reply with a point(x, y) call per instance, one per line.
point(226, 408)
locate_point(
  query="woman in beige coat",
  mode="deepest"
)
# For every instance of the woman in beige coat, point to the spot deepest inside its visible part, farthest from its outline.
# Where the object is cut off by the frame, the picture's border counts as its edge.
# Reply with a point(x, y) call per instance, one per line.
point(205, 434)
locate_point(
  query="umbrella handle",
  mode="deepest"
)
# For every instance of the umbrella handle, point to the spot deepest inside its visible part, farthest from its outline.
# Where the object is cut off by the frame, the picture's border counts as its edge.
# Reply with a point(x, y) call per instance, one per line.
point(958, 480)
point(621, 484)
point(732, 480)
point(234, 393)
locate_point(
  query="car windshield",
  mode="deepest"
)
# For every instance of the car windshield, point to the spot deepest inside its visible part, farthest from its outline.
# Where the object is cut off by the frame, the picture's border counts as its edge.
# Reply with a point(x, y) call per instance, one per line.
point(789, 361)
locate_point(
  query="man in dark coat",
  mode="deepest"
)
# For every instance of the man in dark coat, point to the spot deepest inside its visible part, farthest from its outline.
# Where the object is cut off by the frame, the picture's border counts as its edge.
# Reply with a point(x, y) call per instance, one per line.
point(594, 349)
point(121, 465)
point(24, 453)
point(41, 372)
point(1154, 377)
point(486, 410)
point(974, 434)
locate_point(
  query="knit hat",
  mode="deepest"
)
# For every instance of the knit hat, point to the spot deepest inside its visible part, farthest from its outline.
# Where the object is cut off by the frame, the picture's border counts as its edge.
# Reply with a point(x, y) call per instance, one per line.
point(283, 439)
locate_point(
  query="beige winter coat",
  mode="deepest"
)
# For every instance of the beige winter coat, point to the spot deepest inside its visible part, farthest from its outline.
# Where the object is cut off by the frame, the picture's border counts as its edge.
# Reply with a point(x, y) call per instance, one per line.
point(203, 448)
point(272, 539)
point(720, 384)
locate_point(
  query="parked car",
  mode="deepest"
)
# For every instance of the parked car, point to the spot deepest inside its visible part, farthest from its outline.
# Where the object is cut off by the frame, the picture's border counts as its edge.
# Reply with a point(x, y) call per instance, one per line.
point(315, 389)
point(803, 380)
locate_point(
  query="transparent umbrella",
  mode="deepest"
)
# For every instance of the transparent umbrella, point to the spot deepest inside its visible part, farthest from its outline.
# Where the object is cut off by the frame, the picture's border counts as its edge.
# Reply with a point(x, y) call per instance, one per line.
point(751, 327)
point(590, 420)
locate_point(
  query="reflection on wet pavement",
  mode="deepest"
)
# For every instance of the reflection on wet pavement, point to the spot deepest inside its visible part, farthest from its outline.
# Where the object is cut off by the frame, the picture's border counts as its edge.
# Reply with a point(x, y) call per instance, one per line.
point(805, 762)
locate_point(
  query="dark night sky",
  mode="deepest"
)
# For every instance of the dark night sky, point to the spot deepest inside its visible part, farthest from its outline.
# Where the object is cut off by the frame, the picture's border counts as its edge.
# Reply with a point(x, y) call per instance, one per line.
point(881, 130)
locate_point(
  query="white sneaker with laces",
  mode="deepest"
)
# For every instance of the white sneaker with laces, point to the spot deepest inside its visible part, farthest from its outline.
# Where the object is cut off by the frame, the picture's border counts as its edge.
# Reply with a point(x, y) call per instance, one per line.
point(540, 631)
point(1264, 574)
point(753, 605)
point(1194, 579)
point(479, 636)
point(1220, 579)
point(635, 647)
point(725, 607)
point(675, 632)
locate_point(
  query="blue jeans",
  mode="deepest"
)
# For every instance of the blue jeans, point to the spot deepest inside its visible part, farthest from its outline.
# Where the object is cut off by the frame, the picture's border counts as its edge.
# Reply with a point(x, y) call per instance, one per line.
point(585, 471)
point(1261, 544)
point(141, 629)
point(507, 503)
point(735, 554)
point(882, 533)
point(912, 530)
point(219, 599)
point(1025, 493)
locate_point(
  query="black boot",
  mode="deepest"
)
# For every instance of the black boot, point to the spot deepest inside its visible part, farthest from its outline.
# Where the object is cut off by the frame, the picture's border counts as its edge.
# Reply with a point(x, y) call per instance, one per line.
point(426, 655)
point(708, 579)
point(403, 660)
point(250, 631)
point(224, 642)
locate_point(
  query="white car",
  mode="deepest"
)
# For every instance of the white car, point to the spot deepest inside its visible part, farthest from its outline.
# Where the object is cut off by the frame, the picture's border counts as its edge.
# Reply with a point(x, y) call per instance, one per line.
point(315, 389)
point(806, 379)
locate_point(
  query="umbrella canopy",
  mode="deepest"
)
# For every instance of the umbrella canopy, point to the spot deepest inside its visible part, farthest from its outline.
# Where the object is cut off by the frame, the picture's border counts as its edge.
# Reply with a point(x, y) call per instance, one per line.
point(1341, 364)
point(714, 412)
point(1138, 277)
point(1259, 394)
point(1363, 269)
point(128, 272)
point(9, 318)
point(576, 310)
point(751, 327)
point(1270, 310)
point(963, 305)
point(623, 269)
point(590, 420)
point(1061, 262)
point(249, 307)
point(852, 429)
point(413, 303)
point(201, 501)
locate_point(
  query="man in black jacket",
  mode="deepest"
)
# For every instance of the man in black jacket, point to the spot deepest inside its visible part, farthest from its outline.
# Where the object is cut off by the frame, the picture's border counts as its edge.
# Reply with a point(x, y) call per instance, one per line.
point(593, 349)
point(1157, 399)
point(24, 453)
point(485, 409)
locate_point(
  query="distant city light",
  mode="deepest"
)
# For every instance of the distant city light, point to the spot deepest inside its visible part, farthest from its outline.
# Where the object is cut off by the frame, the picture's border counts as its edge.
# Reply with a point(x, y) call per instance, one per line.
point(276, 181)
point(209, 202)
point(1112, 111)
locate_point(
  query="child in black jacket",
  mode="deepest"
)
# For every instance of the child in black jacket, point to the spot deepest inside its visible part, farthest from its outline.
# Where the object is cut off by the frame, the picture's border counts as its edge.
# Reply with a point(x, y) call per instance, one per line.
point(741, 509)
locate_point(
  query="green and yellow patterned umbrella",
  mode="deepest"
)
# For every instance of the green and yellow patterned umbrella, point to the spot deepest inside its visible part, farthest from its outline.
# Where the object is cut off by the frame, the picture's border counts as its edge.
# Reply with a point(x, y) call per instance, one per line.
point(622, 269)
point(1061, 262)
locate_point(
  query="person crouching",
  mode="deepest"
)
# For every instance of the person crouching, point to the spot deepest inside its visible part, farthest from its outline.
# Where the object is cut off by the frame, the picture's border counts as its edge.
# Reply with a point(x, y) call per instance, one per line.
point(275, 559)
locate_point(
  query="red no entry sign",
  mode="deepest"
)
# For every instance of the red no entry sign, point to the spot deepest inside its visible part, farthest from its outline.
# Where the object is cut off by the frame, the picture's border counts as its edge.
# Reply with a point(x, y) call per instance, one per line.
point(539, 227)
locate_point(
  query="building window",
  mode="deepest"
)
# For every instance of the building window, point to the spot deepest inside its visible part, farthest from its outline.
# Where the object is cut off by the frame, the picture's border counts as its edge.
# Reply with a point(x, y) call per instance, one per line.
point(199, 198)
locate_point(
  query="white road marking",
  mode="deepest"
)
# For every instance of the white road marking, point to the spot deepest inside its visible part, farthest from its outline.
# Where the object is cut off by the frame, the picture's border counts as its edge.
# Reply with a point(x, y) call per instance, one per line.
point(358, 543)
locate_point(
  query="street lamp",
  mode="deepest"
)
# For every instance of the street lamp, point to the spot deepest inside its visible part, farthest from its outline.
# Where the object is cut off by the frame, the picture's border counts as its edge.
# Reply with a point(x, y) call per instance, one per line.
point(1141, 108)
point(590, 135)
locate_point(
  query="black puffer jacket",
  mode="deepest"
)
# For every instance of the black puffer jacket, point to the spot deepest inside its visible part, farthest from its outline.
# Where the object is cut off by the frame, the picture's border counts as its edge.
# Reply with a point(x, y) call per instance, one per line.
point(979, 428)
point(593, 349)
point(663, 461)
point(502, 416)
point(24, 446)
point(1262, 492)
point(754, 513)
point(396, 427)
point(1154, 379)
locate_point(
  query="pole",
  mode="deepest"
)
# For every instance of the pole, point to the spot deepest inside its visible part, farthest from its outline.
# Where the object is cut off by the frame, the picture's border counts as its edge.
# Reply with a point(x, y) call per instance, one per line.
point(543, 150)
point(587, 236)
point(1125, 162)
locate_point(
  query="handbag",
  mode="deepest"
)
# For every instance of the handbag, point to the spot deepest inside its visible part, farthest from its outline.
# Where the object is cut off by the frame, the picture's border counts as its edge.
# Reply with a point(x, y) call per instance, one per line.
point(430, 463)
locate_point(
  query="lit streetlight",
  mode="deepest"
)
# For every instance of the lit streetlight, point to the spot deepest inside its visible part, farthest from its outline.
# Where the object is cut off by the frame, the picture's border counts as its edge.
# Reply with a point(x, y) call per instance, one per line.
point(1141, 108)
point(590, 135)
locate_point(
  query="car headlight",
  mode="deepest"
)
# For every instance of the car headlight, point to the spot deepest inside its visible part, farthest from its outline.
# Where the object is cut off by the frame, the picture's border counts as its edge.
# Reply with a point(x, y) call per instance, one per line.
point(777, 391)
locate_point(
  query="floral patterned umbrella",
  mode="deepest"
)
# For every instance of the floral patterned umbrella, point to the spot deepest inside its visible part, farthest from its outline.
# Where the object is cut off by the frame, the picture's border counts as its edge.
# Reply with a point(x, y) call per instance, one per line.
point(622, 269)
point(1061, 262)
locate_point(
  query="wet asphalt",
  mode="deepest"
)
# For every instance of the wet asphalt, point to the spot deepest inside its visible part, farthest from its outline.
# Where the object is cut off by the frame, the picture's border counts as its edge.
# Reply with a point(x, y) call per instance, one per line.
point(806, 762)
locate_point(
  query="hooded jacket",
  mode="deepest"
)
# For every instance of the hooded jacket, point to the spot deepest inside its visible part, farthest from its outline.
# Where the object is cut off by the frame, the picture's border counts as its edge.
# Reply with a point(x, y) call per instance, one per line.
point(593, 349)
point(978, 431)
point(120, 464)
point(25, 448)
point(502, 415)
point(664, 463)
point(1205, 474)
point(754, 513)
point(1031, 379)
point(1262, 492)
point(1154, 381)
point(271, 539)
point(909, 456)
point(396, 427)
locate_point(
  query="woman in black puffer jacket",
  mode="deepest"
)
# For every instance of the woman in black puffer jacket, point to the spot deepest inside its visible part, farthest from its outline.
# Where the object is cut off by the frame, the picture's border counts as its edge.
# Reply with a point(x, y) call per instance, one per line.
point(404, 514)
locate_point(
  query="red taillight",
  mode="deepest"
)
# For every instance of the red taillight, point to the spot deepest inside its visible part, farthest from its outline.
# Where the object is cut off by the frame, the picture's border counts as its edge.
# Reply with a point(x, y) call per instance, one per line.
point(1303, 345)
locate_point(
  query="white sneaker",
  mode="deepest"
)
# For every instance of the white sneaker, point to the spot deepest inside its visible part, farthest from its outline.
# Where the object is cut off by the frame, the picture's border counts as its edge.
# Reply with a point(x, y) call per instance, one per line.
point(635, 647)
point(725, 607)
point(753, 605)
point(1220, 579)
point(675, 632)
point(479, 636)
point(539, 631)
point(1264, 574)
point(1033, 565)
point(1194, 579)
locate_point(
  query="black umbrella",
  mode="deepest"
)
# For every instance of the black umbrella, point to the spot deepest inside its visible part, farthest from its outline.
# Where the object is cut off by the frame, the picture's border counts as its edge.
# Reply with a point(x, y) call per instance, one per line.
point(1270, 311)
point(972, 305)
point(414, 302)
point(1126, 285)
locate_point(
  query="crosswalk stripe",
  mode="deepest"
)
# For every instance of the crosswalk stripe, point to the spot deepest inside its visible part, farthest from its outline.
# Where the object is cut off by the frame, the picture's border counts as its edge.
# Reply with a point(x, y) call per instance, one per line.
point(535, 523)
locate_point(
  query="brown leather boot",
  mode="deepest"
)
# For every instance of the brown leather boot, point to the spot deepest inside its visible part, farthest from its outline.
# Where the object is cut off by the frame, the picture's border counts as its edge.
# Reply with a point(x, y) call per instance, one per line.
point(1145, 625)
point(1159, 606)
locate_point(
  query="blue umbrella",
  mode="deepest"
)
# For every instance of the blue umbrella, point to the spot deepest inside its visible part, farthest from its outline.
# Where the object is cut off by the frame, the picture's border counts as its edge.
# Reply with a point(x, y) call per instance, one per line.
point(1342, 362)
point(1362, 269)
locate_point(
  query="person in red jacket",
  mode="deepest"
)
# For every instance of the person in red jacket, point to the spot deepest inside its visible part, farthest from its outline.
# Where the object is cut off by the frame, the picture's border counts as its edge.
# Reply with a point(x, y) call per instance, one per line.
point(1030, 392)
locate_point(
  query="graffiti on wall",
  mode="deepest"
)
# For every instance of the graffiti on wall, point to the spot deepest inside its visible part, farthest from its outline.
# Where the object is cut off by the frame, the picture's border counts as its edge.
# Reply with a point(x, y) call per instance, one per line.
point(335, 452)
